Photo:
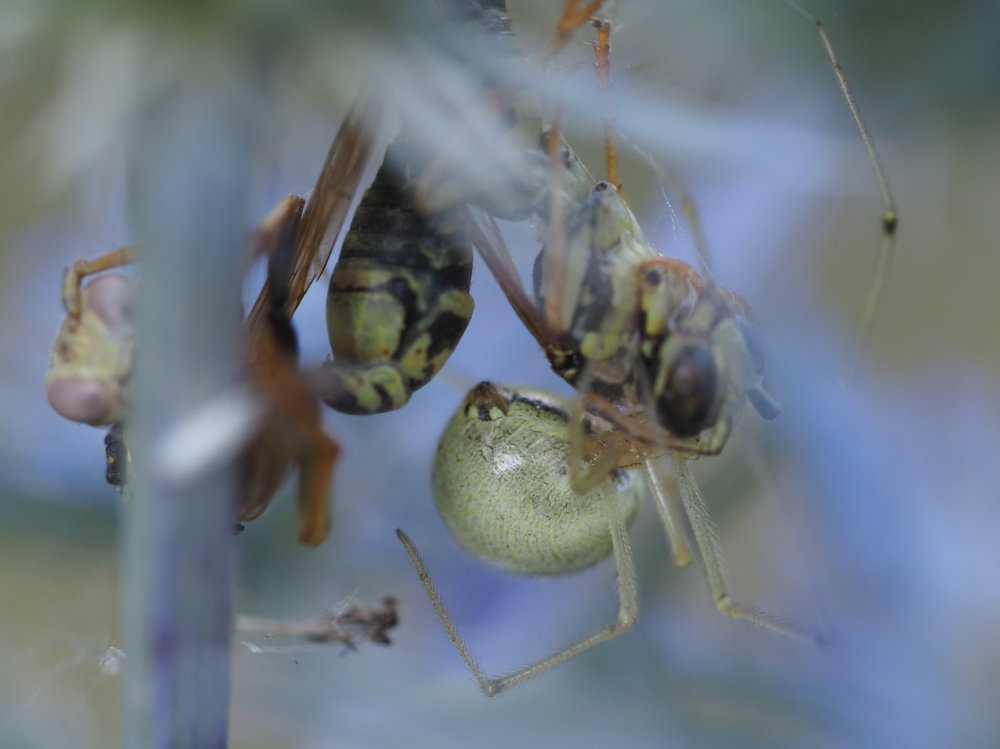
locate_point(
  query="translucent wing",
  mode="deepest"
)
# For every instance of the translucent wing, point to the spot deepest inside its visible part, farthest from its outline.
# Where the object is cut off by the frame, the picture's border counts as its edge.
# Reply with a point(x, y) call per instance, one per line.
point(326, 209)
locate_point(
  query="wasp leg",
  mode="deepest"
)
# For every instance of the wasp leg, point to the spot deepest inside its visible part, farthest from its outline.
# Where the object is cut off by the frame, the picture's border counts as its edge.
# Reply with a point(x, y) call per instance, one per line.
point(558, 260)
point(82, 268)
point(316, 468)
point(572, 18)
point(293, 431)
point(628, 609)
point(602, 67)
point(293, 428)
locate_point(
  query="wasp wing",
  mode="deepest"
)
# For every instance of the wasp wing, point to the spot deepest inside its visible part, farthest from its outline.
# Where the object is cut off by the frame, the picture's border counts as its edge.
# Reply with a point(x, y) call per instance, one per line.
point(326, 210)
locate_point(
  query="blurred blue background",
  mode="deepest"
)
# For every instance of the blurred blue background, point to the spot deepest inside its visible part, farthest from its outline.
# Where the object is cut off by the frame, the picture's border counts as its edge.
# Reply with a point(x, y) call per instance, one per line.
point(867, 513)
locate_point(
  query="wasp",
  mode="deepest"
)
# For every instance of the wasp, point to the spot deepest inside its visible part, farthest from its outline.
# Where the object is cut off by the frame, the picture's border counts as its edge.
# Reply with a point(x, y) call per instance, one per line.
point(663, 360)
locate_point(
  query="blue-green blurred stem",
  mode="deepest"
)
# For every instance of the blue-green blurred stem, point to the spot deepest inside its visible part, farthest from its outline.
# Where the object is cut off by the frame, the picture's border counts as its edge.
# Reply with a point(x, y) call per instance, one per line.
point(191, 153)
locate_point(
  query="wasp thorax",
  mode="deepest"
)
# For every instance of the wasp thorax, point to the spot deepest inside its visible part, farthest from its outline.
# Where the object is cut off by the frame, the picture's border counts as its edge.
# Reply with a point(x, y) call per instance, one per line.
point(687, 401)
point(502, 484)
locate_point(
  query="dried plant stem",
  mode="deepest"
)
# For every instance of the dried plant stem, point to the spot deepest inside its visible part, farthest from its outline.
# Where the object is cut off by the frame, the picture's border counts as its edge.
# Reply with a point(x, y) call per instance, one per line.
point(349, 625)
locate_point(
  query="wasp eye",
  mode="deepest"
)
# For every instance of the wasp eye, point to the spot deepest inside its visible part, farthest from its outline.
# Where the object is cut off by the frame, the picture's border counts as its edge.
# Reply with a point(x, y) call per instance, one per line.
point(689, 399)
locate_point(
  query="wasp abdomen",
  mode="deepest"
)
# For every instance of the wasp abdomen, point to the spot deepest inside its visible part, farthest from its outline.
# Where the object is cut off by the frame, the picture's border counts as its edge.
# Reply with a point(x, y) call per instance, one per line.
point(399, 298)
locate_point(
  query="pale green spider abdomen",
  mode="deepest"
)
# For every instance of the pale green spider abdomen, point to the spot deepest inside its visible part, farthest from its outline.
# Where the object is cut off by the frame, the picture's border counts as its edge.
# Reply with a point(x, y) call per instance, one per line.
point(502, 485)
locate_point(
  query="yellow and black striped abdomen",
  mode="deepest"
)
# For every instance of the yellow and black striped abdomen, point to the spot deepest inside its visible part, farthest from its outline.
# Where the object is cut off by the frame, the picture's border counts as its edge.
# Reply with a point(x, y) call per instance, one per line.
point(399, 298)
